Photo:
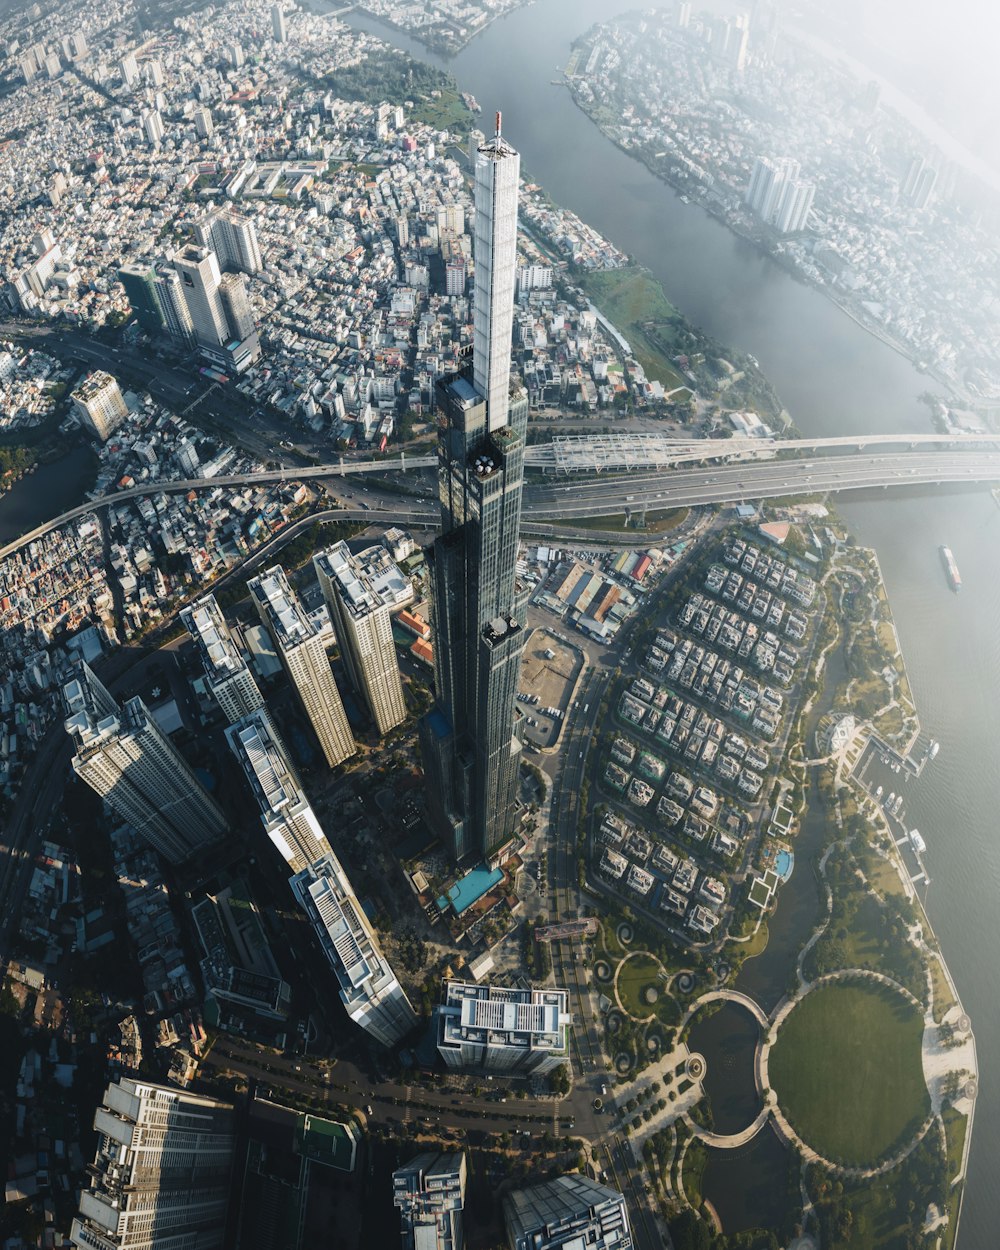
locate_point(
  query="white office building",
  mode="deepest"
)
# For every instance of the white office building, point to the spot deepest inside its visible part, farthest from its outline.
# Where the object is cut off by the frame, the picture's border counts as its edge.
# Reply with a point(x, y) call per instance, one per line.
point(571, 1211)
point(288, 819)
point(227, 674)
point(126, 758)
point(160, 1177)
point(430, 1194)
point(369, 990)
point(503, 1030)
point(303, 656)
point(98, 403)
point(363, 627)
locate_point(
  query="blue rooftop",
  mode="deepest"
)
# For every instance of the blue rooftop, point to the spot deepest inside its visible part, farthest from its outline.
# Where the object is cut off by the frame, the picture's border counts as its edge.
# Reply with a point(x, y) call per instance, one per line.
point(470, 888)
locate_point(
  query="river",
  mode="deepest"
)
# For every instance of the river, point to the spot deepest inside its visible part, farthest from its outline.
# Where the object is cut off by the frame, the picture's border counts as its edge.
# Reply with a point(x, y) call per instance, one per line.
point(834, 378)
point(51, 489)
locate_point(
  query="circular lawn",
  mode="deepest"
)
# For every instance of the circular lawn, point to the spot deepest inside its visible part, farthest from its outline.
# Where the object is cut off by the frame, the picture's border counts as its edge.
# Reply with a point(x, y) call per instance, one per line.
point(847, 1071)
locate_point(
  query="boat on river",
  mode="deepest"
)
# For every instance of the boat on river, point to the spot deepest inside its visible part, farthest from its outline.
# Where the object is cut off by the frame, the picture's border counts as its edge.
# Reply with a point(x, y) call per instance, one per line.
point(951, 568)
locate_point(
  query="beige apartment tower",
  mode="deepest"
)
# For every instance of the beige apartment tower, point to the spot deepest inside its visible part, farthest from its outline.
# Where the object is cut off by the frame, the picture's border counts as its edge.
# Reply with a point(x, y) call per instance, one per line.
point(364, 630)
point(303, 656)
point(99, 405)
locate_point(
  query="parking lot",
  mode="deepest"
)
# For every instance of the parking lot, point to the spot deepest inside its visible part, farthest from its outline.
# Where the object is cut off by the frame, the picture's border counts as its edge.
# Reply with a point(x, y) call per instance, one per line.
point(549, 674)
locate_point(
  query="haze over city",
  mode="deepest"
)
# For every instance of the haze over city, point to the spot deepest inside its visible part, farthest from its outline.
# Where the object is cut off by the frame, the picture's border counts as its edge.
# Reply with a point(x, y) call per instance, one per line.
point(497, 594)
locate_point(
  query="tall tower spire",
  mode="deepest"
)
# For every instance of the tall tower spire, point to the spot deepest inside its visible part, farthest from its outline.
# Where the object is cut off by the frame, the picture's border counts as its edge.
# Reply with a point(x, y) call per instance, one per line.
point(471, 750)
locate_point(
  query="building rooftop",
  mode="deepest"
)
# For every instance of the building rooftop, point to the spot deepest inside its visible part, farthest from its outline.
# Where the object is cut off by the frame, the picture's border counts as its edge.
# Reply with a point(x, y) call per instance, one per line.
point(219, 654)
point(285, 615)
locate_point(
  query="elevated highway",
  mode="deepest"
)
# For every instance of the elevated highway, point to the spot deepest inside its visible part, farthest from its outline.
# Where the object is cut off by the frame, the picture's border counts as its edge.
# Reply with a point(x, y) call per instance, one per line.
point(932, 460)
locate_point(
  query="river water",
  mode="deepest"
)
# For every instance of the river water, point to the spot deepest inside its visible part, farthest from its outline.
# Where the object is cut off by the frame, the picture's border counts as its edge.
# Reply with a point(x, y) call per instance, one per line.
point(834, 378)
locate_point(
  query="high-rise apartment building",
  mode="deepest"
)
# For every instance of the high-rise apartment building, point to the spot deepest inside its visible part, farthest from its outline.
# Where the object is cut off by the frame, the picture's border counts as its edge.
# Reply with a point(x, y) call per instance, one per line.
point(200, 279)
point(233, 238)
point(129, 69)
point(569, 1211)
point(203, 124)
point(363, 627)
point(778, 195)
point(278, 24)
point(152, 125)
point(288, 819)
point(126, 758)
point(160, 1177)
point(99, 404)
point(302, 654)
point(176, 315)
point(236, 304)
point(430, 1194)
point(369, 990)
point(498, 1029)
point(227, 673)
point(471, 752)
point(796, 204)
point(919, 183)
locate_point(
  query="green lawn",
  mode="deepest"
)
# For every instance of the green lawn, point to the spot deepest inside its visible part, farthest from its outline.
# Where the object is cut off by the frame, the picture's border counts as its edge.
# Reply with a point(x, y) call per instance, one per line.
point(656, 522)
point(636, 973)
point(955, 1126)
point(846, 1069)
point(630, 299)
point(944, 999)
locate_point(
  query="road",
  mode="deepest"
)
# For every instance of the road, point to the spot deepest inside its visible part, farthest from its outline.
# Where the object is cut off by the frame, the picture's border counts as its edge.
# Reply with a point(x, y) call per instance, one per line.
point(553, 505)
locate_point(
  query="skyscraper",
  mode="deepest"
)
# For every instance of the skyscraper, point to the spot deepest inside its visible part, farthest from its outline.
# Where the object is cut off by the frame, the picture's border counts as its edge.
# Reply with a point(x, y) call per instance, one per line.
point(200, 278)
point(152, 124)
point(364, 630)
point(278, 24)
point(126, 758)
point(99, 404)
point(569, 1211)
point(778, 195)
point(233, 238)
point(236, 305)
point(303, 657)
point(369, 990)
point(203, 123)
point(503, 1030)
point(227, 674)
point(430, 1194)
point(471, 752)
point(140, 283)
point(288, 819)
point(160, 1177)
point(176, 315)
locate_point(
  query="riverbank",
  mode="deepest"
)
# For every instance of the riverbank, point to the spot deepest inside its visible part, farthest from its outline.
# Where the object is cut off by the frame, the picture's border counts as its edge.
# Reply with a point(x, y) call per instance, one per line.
point(437, 46)
point(719, 212)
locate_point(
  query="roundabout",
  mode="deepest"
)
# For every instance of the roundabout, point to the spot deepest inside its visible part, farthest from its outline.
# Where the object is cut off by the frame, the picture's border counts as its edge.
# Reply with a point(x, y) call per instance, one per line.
point(844, 1061)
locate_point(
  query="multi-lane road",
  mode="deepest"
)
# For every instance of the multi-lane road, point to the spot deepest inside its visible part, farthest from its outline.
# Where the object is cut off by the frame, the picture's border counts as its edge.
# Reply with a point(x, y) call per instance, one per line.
point(562, 500)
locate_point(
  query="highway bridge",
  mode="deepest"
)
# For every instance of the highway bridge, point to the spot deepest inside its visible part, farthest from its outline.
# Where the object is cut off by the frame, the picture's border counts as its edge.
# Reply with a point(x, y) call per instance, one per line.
point(875, 461)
